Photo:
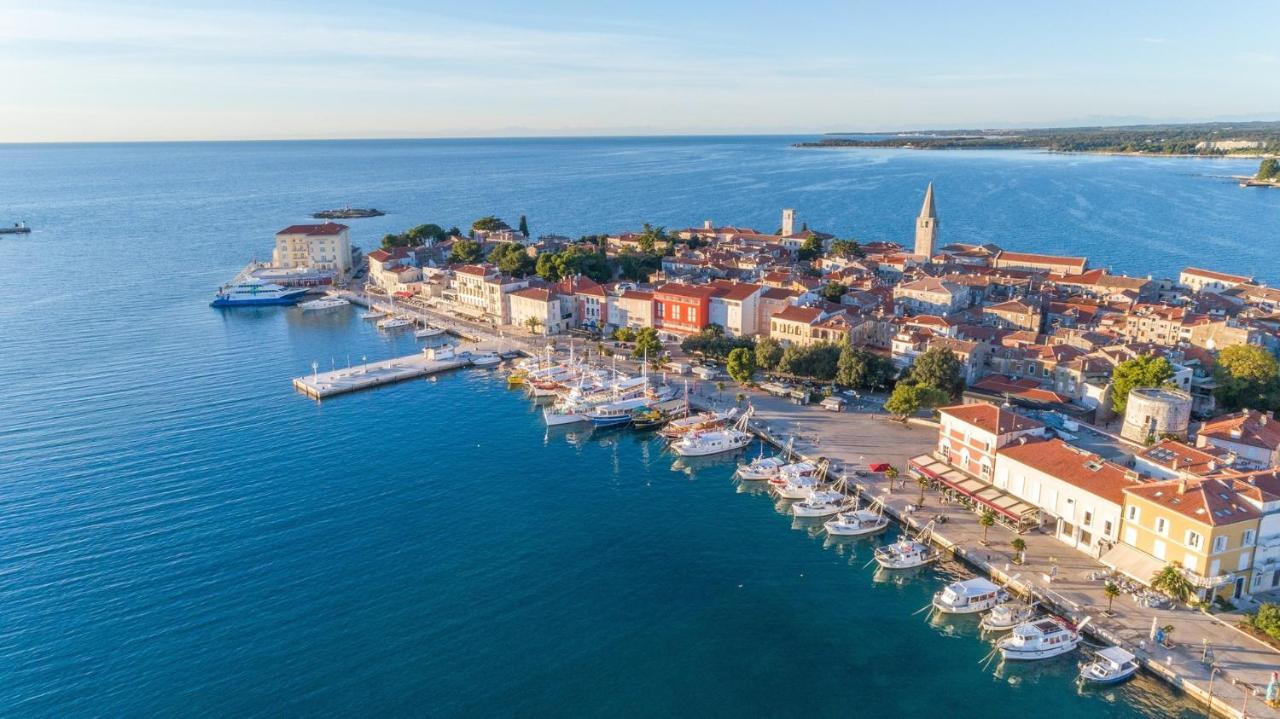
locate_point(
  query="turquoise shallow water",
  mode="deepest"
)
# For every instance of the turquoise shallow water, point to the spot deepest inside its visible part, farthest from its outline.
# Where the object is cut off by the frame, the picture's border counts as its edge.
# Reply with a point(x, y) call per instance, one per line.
point(185, 535)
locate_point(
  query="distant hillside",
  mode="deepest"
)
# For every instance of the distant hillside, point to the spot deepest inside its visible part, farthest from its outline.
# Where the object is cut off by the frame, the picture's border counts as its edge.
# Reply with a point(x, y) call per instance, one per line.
point(1208, 139)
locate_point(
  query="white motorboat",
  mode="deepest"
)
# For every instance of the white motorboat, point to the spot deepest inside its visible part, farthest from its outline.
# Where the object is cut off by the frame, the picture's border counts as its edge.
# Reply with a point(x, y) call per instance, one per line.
point(394, 323)
point(486, 359)
point(761, 468)
point(372, 314)
point(906, 553)
point(1111, 665)
point(856, 523)
point(969, 596)
point(823, 503)
point(324, 303)
point(703, 443)
point(1006, 616)
point(429, 331)
point(797, 486)
point(791, 471)
point(1040, 639)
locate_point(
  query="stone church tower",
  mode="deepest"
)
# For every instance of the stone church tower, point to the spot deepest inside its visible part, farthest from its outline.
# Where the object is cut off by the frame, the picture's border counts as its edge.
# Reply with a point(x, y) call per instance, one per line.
point(927, 226)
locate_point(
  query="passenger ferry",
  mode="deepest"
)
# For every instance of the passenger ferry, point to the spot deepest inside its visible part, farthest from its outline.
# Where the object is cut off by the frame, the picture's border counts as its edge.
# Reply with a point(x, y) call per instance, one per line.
point(256, 292)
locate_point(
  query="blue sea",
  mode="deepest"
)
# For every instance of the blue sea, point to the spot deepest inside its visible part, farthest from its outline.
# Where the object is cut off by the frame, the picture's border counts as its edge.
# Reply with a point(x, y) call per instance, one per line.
point(182, 534)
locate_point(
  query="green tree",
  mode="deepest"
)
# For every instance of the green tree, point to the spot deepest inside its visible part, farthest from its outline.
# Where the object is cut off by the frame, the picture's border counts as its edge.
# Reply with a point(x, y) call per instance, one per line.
point(487, 223)
point(819, 361)
point(1111, 591)
point(577, 260)
point(637, 266)
point(1247, 376)
point(986, 520)
point(768, 354)
point(464, 252)
point(1019, 549)
point(647, 343)
point(533, 323)
point(922, 482)
point(524, 225)
point(512, 259)
point(810, 250)
point(1172, 581)
point(846, 248)
point(1266, 620)
point(833, 291)
point(712, 342)
point(624, 334)
point(650, 236)
point(908, 398)
point(546, 267)
point(1141, 371)
point(741, 365)
point(1269, 169)
point(938, 367)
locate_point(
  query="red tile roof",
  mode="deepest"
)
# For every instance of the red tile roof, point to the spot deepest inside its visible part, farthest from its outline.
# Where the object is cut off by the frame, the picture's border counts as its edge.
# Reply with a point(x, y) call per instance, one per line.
point(1075, 466)
point(1208, 501)
point(328, 228)
point(1257, 429)
point(991, 418)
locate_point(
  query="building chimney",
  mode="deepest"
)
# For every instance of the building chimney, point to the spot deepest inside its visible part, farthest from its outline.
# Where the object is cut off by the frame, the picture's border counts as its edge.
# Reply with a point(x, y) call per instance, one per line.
point(788, 222)
point(1182, 486)
point(706, 225)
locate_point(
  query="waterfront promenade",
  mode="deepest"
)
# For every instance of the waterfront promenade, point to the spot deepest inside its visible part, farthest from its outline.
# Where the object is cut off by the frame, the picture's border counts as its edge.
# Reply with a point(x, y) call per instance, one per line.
point(855, 439)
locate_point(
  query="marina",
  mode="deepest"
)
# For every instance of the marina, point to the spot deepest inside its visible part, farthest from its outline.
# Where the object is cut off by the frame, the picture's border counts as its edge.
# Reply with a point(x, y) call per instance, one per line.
point(321, 385)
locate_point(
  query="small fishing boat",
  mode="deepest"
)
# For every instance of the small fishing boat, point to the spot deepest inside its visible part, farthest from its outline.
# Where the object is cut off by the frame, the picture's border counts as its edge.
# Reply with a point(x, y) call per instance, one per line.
point(324, 303)
point(1040, 639)
point(822, 503)
point(788, 472)
point(761, 468)
point(856, 523)
point(1006, 616)
point(906, 553)
point(969, 596)
point(1111, 665)
point(648, 418)
point(429, 331)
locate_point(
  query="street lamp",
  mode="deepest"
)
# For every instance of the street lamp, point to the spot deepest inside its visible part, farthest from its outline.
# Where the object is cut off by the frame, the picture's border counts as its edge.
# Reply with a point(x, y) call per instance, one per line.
point(1249, 689)
point(315, 366)
point(1213, 670)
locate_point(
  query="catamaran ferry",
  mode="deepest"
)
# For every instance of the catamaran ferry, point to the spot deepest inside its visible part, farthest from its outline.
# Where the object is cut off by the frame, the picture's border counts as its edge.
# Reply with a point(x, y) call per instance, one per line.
point(253, 291)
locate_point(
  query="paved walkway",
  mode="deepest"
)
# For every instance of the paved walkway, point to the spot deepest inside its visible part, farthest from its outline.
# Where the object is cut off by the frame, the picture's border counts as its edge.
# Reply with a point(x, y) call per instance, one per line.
point(857, 439)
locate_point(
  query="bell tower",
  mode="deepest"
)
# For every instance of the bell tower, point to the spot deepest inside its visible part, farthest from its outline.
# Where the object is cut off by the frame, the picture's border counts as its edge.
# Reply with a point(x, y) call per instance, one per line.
point(927, 226)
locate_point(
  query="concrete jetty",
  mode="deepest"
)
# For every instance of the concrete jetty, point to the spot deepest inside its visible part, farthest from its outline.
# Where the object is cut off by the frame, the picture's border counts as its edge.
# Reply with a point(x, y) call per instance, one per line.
point(320, 385)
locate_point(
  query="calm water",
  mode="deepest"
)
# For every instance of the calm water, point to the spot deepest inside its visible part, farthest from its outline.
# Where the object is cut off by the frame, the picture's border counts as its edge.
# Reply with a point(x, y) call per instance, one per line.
point(182, 534)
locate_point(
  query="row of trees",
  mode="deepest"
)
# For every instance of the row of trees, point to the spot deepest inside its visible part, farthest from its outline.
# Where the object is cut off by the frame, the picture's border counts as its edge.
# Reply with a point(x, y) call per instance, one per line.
point(1269, 169)
point(712, 342)
point(419, 236)
point(936, 378)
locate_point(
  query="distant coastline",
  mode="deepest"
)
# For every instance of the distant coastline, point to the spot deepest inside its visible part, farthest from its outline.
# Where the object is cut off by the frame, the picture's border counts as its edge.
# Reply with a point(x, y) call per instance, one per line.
point(1217, 140)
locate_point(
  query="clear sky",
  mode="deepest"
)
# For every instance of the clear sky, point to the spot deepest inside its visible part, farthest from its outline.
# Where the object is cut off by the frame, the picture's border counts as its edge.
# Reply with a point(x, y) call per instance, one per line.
point(75, 70)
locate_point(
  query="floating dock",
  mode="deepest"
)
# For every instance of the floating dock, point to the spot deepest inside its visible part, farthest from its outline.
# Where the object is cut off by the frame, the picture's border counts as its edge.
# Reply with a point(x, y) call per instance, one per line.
point(320, 385)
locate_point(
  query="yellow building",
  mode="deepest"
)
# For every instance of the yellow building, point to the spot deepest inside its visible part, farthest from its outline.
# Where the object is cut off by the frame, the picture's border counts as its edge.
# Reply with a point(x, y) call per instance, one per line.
point(1201, 525)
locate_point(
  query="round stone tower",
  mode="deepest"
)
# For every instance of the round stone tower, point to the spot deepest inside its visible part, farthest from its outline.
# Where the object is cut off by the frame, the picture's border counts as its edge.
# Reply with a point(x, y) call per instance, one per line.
point(1156, 411)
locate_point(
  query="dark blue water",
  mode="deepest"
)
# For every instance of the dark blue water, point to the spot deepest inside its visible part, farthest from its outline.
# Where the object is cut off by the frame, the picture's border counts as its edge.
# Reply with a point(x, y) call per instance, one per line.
point(183, 534)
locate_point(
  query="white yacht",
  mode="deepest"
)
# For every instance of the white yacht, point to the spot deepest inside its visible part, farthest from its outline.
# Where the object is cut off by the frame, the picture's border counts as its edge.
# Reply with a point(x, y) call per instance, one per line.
point(1006, 616)
point(372, 313)
point(856, 523)
point(797, 486)
point(702, 443)
point(1040, 639)
point(906, 553)
point(1111, 665)
point(253, 291)
point(428, 331)
point(822, 503)
point(486, 359)
point(791, 471)
point(394, 323)
point(969, 596)
point(324, 303)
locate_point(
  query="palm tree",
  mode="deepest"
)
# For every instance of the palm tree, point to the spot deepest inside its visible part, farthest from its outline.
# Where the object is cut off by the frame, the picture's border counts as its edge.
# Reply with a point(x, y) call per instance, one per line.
point(1111, 591)
point(987, 519)
point(1019, 546)
point(740, 397)
point(1173, 582)
point(720, 390)
point(923, 481)
point(532, 323)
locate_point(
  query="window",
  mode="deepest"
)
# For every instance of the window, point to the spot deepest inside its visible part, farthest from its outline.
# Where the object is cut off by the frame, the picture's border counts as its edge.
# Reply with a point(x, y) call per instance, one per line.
point(1245, 560)
point(1247, 541)
point(1220, 544)
point(1088, 519)
point(1133, 513)
point(1162, 526)
point(1194, 540)
point(1106, 528)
